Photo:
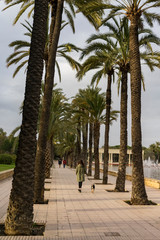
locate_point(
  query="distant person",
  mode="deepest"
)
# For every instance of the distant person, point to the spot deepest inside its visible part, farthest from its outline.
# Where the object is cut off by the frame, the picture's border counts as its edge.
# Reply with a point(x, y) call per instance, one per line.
point(59, 162)
point(80, 174)
point(64, 163)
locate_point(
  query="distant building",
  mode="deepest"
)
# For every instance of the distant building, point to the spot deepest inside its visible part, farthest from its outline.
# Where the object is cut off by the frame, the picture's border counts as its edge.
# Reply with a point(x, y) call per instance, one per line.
point(114, 156)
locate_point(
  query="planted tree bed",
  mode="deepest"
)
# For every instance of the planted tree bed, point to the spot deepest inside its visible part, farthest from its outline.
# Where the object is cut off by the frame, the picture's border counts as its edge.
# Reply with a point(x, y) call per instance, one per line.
point(115, 191)
point(37, 229)
point(149, 203)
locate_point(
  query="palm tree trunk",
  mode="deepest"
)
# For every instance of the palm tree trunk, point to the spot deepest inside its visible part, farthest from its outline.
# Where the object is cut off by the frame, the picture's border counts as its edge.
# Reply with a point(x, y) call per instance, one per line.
point(44, 122)
point(48, 158)
point(19, 218)
point(52, 152)
point(107, 123)
point(78, 145)
point(120, 181)
point(96, 149)
point(85, 138)
point(139, 195)
point(90, 149)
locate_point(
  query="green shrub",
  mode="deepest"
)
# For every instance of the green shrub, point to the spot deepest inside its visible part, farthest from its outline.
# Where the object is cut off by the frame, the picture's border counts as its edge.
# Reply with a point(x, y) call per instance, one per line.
point(7, 158)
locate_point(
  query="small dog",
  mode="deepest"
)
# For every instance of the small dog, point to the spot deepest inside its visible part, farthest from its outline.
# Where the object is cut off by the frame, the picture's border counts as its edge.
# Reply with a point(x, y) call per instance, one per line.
point(92, 188)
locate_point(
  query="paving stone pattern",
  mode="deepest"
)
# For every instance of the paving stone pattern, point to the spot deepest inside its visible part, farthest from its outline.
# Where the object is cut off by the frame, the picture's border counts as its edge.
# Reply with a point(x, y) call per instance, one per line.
point(100, 215)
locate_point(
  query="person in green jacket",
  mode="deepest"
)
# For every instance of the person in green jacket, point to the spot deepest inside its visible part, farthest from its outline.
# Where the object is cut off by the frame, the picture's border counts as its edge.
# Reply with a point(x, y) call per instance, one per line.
point(80, 174)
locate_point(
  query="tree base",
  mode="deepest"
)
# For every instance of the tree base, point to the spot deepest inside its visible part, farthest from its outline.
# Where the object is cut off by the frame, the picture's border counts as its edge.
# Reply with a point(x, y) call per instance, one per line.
point(36, 230)
point(115, 191)
point(147, 202)
point(119, 190)
point(41, 201)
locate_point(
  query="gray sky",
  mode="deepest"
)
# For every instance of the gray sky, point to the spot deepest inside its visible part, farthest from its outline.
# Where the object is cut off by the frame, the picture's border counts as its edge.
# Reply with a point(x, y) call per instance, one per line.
point(12, 90)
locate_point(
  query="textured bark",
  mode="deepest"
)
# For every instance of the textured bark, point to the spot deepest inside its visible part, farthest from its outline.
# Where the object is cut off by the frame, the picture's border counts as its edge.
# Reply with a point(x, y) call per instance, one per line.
point(90, 149)
point(70, 160)
point(52, 152)
point(139, 195)
point(85, 143)
point(53, 18)
point(78, 146)
point(19, 218)
point(48, 158)
point(96, 149)
point(107, 123)
point(120, 181)
point(44, 122)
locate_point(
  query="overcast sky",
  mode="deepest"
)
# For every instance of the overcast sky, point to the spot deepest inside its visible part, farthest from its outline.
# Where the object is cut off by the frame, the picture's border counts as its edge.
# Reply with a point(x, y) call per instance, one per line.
point(12, 89)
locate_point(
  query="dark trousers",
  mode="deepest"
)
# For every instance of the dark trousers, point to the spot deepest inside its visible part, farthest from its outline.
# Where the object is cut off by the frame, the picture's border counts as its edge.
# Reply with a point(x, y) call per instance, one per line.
point(80, 184)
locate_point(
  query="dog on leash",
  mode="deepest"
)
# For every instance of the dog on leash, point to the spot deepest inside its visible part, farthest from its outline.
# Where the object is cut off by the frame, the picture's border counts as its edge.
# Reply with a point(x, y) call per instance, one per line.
point(92, 188)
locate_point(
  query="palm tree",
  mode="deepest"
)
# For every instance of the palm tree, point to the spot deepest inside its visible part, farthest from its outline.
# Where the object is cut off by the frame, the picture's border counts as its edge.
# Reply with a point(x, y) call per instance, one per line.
point(46, 103)
point(82, 114)
point(89, 91)
point(20, 210)
point(89, 108)
point(96, 105)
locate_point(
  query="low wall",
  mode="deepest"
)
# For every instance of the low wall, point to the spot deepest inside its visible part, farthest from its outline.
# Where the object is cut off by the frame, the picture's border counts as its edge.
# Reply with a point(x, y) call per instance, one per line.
point(155, 183)
point(6, 174)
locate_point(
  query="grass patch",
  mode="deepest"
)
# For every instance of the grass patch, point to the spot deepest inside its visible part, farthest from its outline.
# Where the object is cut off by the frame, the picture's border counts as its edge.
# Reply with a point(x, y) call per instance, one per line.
point(37, 229)
point(149, 203)
point(4, 167)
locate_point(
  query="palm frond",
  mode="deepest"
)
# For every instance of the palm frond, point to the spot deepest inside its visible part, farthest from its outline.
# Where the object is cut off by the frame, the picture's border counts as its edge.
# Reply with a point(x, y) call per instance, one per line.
point(22, 10)
point(151, 17)
point(12, 56)
point(59, 71)
point(19, 44)
point(70, 19)
point(19, 67)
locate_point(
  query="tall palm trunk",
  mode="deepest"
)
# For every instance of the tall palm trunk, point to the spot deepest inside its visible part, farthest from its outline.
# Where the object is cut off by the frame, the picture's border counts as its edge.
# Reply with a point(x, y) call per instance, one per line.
point(20, 210)
point(120, 181)
point(96, 148)
point(44, 122)
point(139, 195)
point(90, 149)
point(48, 158)
point(52, 152)
point(78, 145)
point(85, 138)
point(107, 123)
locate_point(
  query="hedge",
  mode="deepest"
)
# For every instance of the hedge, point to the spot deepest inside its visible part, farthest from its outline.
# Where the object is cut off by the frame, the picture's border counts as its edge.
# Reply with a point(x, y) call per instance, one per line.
point(7, 158)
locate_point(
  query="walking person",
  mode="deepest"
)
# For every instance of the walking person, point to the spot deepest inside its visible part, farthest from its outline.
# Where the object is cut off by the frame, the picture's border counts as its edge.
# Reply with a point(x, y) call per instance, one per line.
point(64, 163)
point(80, 174)
point(59, 162)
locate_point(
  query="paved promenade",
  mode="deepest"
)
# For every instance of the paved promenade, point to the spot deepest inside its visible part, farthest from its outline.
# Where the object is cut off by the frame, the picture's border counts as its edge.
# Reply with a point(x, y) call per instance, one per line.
point(101, 215)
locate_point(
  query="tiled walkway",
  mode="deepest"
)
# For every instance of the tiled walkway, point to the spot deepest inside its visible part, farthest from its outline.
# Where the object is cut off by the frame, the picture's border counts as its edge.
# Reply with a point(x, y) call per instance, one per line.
point(101, 215)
